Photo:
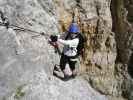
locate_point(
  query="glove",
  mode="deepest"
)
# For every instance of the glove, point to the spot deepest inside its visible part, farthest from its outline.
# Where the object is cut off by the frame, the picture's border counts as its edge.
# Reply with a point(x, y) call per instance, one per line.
point(53, 38)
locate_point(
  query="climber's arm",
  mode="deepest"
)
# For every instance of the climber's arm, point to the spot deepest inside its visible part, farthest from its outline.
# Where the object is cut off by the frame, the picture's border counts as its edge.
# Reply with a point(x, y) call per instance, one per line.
point(69, 42)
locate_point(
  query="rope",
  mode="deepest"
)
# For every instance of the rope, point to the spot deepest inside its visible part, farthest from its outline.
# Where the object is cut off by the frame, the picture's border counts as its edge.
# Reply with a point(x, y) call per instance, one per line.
point(25, 29)
point(5, 22)
point(57, 50)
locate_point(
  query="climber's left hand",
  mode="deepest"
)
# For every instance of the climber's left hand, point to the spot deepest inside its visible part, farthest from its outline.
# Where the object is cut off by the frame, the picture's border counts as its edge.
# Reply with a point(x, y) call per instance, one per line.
point(54, 38)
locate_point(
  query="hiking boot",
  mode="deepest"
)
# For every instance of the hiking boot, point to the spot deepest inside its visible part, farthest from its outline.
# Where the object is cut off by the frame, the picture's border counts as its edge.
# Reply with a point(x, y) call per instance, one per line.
point(56, 68)
point(66, 78)
point(74, 73)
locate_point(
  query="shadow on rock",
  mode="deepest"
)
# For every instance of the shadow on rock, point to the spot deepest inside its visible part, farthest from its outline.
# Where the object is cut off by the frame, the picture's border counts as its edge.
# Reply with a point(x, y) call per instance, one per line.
point(130, 65)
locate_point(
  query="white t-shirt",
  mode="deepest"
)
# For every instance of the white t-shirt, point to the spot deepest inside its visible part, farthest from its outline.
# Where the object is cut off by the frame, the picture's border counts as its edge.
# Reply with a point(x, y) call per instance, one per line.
point(70, 46)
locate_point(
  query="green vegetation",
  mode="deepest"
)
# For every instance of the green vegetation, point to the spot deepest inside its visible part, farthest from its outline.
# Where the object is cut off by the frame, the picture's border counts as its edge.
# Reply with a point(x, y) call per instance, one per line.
point(19, 92)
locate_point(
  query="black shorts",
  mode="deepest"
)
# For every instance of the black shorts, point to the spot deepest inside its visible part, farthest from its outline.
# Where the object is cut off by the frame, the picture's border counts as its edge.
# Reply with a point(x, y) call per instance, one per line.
point(67, 60)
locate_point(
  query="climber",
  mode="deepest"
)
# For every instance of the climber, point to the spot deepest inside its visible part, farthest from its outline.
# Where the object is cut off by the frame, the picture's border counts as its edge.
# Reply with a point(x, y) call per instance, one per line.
point(70, 51)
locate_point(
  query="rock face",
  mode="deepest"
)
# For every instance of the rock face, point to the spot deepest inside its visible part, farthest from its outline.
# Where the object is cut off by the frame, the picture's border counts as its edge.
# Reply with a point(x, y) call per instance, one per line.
point(27, 60)
point(27, 76)
point(122, 26)
point(101, 47)
point(42, 87)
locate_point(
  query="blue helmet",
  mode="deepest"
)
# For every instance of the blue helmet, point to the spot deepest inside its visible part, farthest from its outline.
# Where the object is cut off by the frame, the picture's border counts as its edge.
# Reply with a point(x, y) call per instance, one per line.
point(73, 28)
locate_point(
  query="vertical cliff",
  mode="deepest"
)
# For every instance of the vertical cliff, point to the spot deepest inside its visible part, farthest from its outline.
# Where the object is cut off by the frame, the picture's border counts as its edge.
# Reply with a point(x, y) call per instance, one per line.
point(122, 26)
point(101, 46)
point(27, 61)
